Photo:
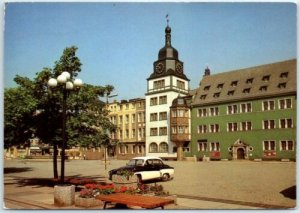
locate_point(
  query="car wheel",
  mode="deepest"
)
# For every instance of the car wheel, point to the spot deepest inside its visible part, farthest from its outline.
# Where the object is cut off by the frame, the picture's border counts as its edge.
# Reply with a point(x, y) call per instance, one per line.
point(165, 177)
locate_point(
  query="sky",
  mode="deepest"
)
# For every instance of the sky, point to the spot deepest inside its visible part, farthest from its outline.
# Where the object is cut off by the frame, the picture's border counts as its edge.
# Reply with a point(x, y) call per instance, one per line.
point(118, 42)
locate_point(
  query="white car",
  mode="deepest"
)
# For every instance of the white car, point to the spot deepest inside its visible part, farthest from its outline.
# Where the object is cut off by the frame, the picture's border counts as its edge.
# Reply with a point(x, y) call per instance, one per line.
point(146, 168)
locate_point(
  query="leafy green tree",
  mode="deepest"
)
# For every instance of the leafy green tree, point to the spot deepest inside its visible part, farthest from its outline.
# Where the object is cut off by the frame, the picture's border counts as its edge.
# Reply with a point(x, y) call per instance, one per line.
point(33, 108)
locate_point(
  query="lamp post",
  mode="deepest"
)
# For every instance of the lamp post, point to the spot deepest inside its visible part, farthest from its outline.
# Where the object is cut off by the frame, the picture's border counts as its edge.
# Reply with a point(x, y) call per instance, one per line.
point(105, 148)
point(66, 85)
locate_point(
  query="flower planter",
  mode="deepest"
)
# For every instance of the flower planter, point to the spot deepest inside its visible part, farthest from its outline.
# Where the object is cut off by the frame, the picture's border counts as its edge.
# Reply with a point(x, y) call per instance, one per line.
point(87, 202)
point(120, 180)
point(64, 195)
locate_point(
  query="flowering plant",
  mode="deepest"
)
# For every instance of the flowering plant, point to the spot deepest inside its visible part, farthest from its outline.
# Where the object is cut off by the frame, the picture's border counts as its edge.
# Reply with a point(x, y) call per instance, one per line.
point(86, 193)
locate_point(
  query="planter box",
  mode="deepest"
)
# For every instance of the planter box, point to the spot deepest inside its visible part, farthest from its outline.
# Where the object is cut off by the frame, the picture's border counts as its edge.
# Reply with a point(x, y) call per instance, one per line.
point(87, 202)
point(64, 195)
point(119, 180)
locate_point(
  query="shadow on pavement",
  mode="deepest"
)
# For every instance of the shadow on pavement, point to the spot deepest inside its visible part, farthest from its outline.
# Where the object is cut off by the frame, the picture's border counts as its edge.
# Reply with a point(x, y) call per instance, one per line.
point(51, 182)
point(16, 170)
point(289, 192)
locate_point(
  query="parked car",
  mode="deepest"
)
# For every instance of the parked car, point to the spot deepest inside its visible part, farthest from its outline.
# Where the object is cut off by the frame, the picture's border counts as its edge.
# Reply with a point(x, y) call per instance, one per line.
point(146, 168)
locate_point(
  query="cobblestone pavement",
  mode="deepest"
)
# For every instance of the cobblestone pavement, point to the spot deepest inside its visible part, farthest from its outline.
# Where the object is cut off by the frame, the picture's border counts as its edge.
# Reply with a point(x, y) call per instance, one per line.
point(198, 185)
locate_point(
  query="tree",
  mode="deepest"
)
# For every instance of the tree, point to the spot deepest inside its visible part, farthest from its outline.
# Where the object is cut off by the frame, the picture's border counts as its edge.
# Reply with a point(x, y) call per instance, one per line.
point(38, 111)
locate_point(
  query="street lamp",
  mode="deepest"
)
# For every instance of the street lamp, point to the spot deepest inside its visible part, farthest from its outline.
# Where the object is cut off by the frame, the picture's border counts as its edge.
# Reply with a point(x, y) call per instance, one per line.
point(66, 85)
point(107, 132)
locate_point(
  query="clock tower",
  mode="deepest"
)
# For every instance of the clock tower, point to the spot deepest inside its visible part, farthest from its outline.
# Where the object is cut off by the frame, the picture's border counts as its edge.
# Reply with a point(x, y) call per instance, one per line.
point(166, 83)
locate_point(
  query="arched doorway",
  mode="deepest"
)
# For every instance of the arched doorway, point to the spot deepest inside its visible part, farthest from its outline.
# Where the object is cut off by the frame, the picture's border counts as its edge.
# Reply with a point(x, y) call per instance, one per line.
point(240, 153)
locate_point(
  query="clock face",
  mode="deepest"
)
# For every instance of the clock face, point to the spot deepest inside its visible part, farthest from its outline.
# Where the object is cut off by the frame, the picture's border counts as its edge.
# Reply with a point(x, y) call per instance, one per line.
point(159, 67)
point(179, 68)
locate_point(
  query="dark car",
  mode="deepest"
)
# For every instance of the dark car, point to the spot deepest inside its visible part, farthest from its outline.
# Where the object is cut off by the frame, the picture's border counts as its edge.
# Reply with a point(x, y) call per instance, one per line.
point(146, 168)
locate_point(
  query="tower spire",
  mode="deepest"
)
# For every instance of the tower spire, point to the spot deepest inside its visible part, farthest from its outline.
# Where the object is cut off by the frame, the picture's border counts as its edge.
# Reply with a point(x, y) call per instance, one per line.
point(167, 17)
point(168, 32)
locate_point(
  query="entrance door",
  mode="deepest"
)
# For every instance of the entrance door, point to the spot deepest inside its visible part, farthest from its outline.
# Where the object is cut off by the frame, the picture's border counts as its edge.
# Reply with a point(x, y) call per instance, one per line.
point(240, 153)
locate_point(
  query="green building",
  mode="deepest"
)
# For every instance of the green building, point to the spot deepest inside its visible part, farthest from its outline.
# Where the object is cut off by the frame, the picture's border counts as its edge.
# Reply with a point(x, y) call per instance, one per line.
point(246, 114)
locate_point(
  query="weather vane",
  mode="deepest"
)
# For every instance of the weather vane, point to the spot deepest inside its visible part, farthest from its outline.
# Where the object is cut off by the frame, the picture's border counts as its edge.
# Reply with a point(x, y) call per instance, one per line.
point(167, 17)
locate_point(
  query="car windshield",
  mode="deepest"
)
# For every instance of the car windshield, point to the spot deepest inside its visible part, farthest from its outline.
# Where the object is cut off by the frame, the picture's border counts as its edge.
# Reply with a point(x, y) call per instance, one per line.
point(135, 162)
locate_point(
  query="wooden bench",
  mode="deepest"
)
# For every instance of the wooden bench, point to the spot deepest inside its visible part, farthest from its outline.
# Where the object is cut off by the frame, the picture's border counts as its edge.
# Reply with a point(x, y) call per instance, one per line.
point(147, 202)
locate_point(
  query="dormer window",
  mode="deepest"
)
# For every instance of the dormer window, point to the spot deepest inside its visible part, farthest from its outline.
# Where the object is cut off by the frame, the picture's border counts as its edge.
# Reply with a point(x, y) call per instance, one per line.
point(263, 88)
point(202, 97)
point(216, 95)
point(220, 86)
point(206, 88)
point(230, 93)
point(247, 90)
point(249, 81)
point(282, 85)
point(266, 78)
point(234, 83)
point(284, 75)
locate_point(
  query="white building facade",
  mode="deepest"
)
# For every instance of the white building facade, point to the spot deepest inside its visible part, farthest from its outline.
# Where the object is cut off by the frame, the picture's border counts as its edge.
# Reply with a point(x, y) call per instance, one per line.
point(166, 83)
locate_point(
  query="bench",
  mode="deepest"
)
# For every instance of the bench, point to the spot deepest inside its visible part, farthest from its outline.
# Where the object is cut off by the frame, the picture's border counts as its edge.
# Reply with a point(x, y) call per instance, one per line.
point(147, 202)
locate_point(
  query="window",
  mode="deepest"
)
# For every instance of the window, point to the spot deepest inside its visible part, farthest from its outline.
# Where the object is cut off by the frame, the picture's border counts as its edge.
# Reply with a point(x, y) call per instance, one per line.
point(141, 117)
point(246, 91)
point(141, 132)
point(123, 149)
point(282, 85)
point(220, 86)
point(133, 133)
point(202, 129)
point(163, 99)
point(230, 93)
point(153, 117)
point(287, 145)
point(268, 105)
point(202, 145)
point(214, 146)
point(232, 127)
point(181, 129)
point(285, 103)
point(284, 75)
point(186, 147)
point(159, 84)
point(202, 97)
point(249, 81)
point(163, 147)
point(121, 134)
point(127, 106)
point(246, 107)
point(153, 101)
point(269, 145)
point(263, 88)
point(133, 118)
point(180, 84)
point(246, 126)
point(127, 133)
point(181, 113)
point(127, 118)
point(232, 109)
point(266, 78)
point(268, 124)
point(162, 116)
point(216, 95)
point(163, 131)
point(153, 131)
point(153, 147)
point(234, 83)
point(206, 88)
point(202, 112)
point(214, 128)
point(286, 123)
point(120, 119)
point(214, 111)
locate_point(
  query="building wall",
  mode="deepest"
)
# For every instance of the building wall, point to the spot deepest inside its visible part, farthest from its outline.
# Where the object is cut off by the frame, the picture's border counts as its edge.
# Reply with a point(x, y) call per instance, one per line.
point(254, 137)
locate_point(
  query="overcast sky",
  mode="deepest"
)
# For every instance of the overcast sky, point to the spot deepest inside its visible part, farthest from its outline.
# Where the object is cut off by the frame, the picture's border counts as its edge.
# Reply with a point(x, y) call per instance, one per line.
point(118, 42)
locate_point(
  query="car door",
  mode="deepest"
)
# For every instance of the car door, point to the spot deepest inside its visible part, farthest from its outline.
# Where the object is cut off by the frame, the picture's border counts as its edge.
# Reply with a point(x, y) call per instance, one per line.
point(151, 171)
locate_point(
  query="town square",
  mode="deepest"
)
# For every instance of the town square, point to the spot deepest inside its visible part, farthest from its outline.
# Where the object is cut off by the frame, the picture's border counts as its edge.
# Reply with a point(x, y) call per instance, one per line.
point(150, 105)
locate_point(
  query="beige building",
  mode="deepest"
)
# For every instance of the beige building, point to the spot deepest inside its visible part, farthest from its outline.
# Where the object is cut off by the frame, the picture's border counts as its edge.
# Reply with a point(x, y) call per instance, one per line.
point(129, 117)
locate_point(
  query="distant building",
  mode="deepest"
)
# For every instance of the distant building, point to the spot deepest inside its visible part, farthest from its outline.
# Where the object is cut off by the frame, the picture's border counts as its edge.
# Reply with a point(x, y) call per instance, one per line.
point(246, 114)
point(166, 83)
point(129, 116)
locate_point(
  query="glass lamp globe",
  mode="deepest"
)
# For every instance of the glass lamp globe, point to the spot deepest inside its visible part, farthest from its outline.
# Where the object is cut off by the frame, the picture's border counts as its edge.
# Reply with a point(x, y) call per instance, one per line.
point(67, 74)
point(52, 82)
point(69, 85)
point(78, 82)
point(62, 79)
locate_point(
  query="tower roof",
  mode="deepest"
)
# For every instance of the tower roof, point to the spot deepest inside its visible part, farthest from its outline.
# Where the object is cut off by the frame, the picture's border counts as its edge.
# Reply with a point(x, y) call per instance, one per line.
point(168, 52)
